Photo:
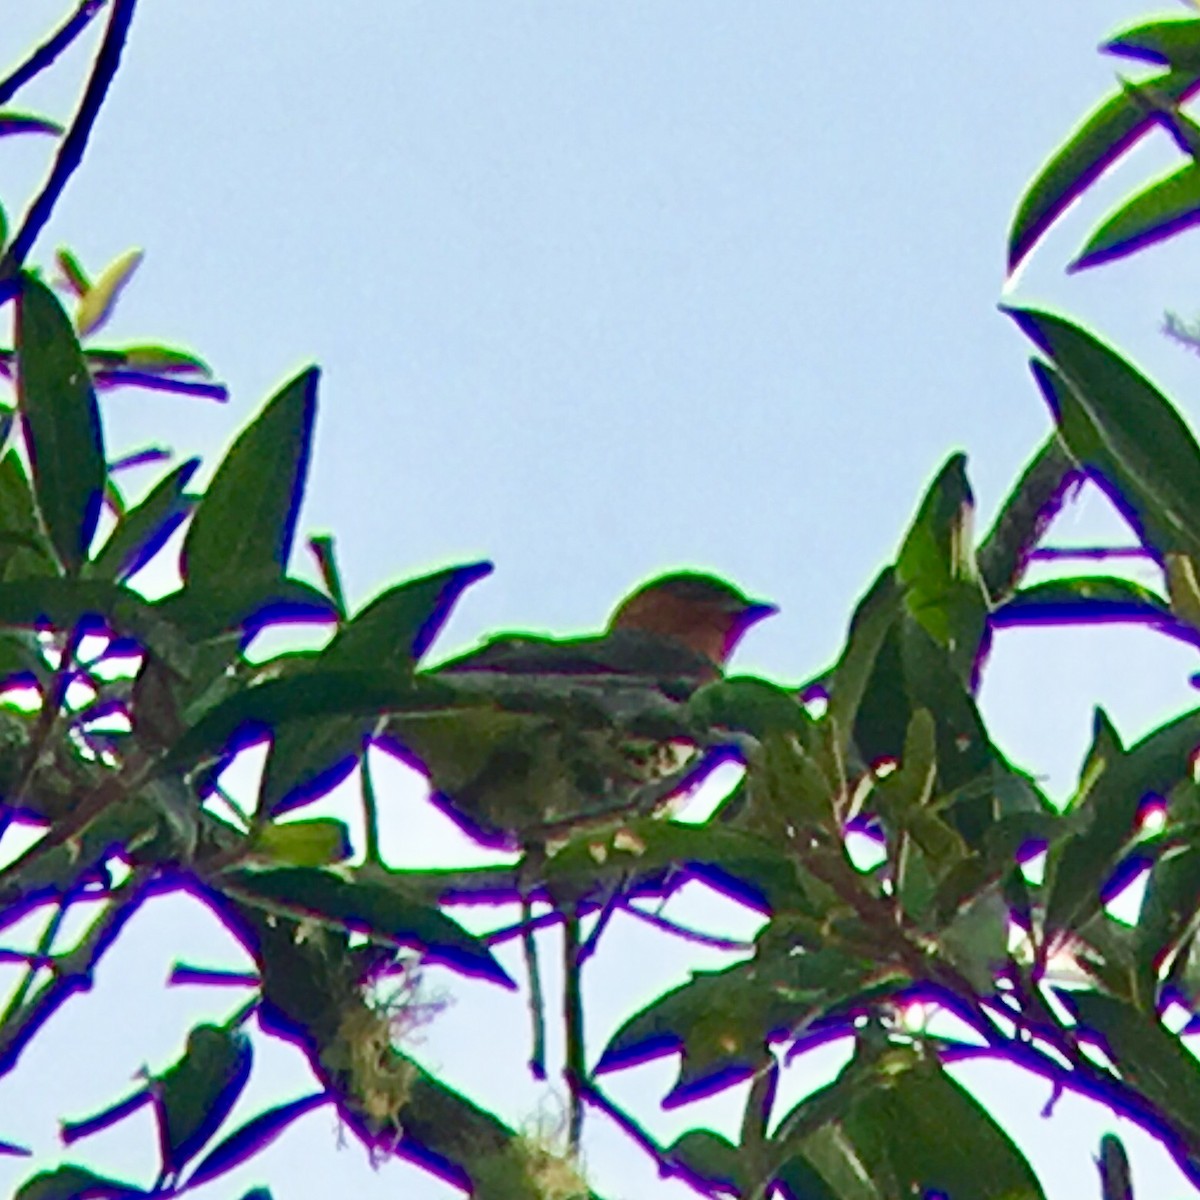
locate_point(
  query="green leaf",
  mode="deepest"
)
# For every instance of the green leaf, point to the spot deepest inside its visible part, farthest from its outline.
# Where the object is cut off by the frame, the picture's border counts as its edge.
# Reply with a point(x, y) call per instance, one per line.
point(244, 525)
point(1173, 43)
point(712, 1158)
point(1118, 423)
point(393, 630)
point(252, 1137)
point(880, 1132)
point(325, 694)
point(398, 626)
point(870, 627)
point(322, 549)
point(936, 568)
point(62, 423)
point(24, 547)
point(647, 848)
point(377, 906)
point(1157, 212)
point(1113, 1163)
point(318, 842)
point(72, 1183)
point(14, 122)
point(1084, 599)
point(748, 705)
point(1146, 1055)
point(1171, 900)
point(720, 1020)
point(1111, 791)
point(96, 304)
point(141, 532)
point(198, 1092)
point(73, 274)
point(1100, 139)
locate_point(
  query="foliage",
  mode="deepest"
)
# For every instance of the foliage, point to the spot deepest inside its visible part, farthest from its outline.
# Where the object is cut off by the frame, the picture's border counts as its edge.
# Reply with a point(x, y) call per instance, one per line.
point(939, 947)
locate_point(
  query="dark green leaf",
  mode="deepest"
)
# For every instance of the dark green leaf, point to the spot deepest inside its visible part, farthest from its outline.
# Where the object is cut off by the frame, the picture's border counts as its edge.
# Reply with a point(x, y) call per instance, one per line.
point(398, 626)
point(390, 632)
point(244, 525)
point(1084, 599)
point(873, 621)
point(62, 423)
point(1100, 139)
point(1116, 421)
point(646, 848)
point(197, 1093)
point(748, 705)
point(881, 1132)
point(24, 548)
point(325, 694)
point(1147, 1056)
point(252, 1137)
point(1113, 1162)
point(141, 532)
point(710, 1157)
point(75, 1183)
point(720, 1020)
point(1111, 791)
point(378, 906)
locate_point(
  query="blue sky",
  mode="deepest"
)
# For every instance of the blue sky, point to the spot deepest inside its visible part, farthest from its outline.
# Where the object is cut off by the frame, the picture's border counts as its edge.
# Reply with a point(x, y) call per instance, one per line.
point(599, 290)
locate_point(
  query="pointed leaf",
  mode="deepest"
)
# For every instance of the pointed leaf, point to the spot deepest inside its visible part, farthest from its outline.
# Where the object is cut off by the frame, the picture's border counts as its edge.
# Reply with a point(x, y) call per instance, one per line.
point(143, 530)
point(1171, 43)
point(196, 1094)
point(1159, 211)
point(252, 1137)
point(96, 304)
point(15, 122)
point(1101, 138)
point(1111, 794)
point(62, 423)
point(244, 525)
point(75, 1183)
point(1147, 1056)
point(324, 694)
point(1117, 422)
point(886, 1136)
point(936, 567)
point(376, 906)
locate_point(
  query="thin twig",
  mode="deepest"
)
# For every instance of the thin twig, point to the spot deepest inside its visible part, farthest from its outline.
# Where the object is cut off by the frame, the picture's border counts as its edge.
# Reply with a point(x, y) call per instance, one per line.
point(690, 935)
point(575, 1069)
point(1054, 553)
point(537, 999)
point(73, 971)
point(50, 49)
point(74, 143)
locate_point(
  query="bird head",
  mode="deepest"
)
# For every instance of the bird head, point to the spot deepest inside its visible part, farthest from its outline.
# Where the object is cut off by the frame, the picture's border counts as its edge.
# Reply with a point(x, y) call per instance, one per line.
point(705, 613)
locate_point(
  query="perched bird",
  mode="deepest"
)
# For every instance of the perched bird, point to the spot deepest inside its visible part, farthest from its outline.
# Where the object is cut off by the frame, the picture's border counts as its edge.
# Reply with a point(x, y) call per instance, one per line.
point(553, 731)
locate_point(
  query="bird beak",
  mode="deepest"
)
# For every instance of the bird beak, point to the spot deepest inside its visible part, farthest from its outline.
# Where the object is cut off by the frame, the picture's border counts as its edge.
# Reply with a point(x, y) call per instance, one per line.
point(753, 613)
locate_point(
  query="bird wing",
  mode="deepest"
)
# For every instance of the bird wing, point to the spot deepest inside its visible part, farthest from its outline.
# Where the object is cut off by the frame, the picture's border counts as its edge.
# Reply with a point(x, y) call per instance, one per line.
point(621, 652)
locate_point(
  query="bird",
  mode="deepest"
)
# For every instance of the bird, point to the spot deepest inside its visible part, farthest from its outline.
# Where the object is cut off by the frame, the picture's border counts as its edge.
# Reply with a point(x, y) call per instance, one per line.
point(553, 732)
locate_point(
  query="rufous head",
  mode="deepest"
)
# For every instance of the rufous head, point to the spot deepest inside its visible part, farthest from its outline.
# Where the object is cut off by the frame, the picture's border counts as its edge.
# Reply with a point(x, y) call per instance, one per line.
point(703, 612)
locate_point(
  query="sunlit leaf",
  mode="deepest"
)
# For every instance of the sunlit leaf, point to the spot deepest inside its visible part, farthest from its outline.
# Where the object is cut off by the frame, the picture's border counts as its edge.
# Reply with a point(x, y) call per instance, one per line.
point(96, 304)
